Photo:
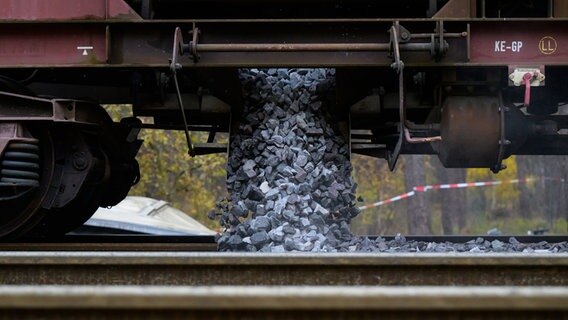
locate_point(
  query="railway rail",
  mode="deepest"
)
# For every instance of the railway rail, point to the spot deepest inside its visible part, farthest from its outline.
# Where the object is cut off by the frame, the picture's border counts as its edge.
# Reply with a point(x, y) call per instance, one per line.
point(288, 302)
point(217, 268)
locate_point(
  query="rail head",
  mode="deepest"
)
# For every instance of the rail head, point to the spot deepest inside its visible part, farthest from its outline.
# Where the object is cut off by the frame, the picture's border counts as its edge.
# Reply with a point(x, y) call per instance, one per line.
point(275, 259)
point(284, 297)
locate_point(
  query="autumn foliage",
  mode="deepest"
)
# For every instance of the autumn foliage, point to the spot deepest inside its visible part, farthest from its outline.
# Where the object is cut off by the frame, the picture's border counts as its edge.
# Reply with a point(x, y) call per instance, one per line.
point(195, 184)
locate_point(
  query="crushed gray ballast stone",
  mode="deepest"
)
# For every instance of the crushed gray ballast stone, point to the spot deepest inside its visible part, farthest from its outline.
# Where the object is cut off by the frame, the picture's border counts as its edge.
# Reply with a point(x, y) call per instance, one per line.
point(479, 245)
point(288, 174)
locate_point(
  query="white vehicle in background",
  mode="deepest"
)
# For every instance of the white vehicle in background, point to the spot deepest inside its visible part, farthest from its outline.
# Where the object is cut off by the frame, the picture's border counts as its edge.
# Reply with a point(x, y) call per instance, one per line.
point(141, 215)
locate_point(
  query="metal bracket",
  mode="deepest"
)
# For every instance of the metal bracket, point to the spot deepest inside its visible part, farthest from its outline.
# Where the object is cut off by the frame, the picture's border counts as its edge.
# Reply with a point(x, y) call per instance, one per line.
point(437, 46)
point(517, 76)
point(527, 77)
point(404, 132)
point(192, 47)
point(440, 47)
point(398, 66)
point(175, 66)
point(503, 142)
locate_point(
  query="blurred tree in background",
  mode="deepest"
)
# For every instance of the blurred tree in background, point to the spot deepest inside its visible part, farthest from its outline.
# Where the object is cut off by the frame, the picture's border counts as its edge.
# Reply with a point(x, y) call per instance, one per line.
point(376, 182)
point(418, 216)
point(453, 202)
point(168, 173)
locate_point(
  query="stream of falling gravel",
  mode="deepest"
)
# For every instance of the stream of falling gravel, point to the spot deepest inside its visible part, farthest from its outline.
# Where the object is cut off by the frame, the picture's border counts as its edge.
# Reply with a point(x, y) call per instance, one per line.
point(288, 174)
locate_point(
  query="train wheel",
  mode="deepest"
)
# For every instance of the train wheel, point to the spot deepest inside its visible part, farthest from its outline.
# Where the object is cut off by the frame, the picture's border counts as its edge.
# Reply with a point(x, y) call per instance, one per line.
point(26, 172)
point(91, 170)
point(59, 222)
point(79, 178)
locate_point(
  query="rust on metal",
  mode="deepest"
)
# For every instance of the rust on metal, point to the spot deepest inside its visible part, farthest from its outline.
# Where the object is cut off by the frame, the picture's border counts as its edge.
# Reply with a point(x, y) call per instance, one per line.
point(230, 43)
point(12, 131)
point(398, 65)
point(28, 109)
point(29, 45)
point(267, 47)
point(183, 268)
point(471, 131)
point(411, 139)
point(33, 10)
point(282, 302)
point(560, 9)
point(174, 67)
point(458, 9)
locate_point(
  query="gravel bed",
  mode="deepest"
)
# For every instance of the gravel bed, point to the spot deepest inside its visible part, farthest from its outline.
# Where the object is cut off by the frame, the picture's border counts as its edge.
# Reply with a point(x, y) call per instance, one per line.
point(478, 245)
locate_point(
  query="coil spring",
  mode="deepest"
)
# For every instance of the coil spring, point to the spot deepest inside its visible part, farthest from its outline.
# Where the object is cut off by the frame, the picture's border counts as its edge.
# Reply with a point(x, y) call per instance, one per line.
point(20, 164)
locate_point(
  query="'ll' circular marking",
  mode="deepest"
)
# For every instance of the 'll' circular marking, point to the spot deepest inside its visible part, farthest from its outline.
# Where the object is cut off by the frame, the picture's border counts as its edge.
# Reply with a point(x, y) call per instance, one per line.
point(547, 45)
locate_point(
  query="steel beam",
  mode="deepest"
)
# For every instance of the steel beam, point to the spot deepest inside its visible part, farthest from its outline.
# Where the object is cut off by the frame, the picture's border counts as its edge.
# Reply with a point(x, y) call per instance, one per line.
point(258, 43)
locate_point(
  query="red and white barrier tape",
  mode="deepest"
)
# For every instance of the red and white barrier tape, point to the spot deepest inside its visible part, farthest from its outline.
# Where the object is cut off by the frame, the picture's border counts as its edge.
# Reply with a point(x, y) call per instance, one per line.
point(451, 186)
point(468, 184)
point(393, 199)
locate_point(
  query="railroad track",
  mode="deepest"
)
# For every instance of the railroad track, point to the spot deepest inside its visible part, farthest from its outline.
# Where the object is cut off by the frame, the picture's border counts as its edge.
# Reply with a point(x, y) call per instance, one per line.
point(150, 281)
point(216, 268)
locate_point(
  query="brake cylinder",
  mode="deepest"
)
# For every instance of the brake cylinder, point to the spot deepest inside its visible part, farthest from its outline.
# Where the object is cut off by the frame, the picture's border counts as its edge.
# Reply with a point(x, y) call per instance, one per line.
point(479, 132)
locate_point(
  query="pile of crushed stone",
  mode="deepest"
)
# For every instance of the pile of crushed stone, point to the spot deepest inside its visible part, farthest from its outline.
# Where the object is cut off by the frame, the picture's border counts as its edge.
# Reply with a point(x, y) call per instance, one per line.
point(289, 173)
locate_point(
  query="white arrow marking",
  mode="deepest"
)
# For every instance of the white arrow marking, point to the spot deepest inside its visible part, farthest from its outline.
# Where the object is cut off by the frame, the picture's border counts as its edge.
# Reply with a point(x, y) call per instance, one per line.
point(85, 48)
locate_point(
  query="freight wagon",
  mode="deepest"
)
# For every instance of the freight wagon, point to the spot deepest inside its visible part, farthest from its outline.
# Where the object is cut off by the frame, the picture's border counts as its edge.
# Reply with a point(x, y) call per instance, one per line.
point(472, 81)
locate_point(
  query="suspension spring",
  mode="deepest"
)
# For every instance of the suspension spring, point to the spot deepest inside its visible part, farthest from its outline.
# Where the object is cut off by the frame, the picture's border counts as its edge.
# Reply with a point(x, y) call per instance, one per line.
point(20, 164)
